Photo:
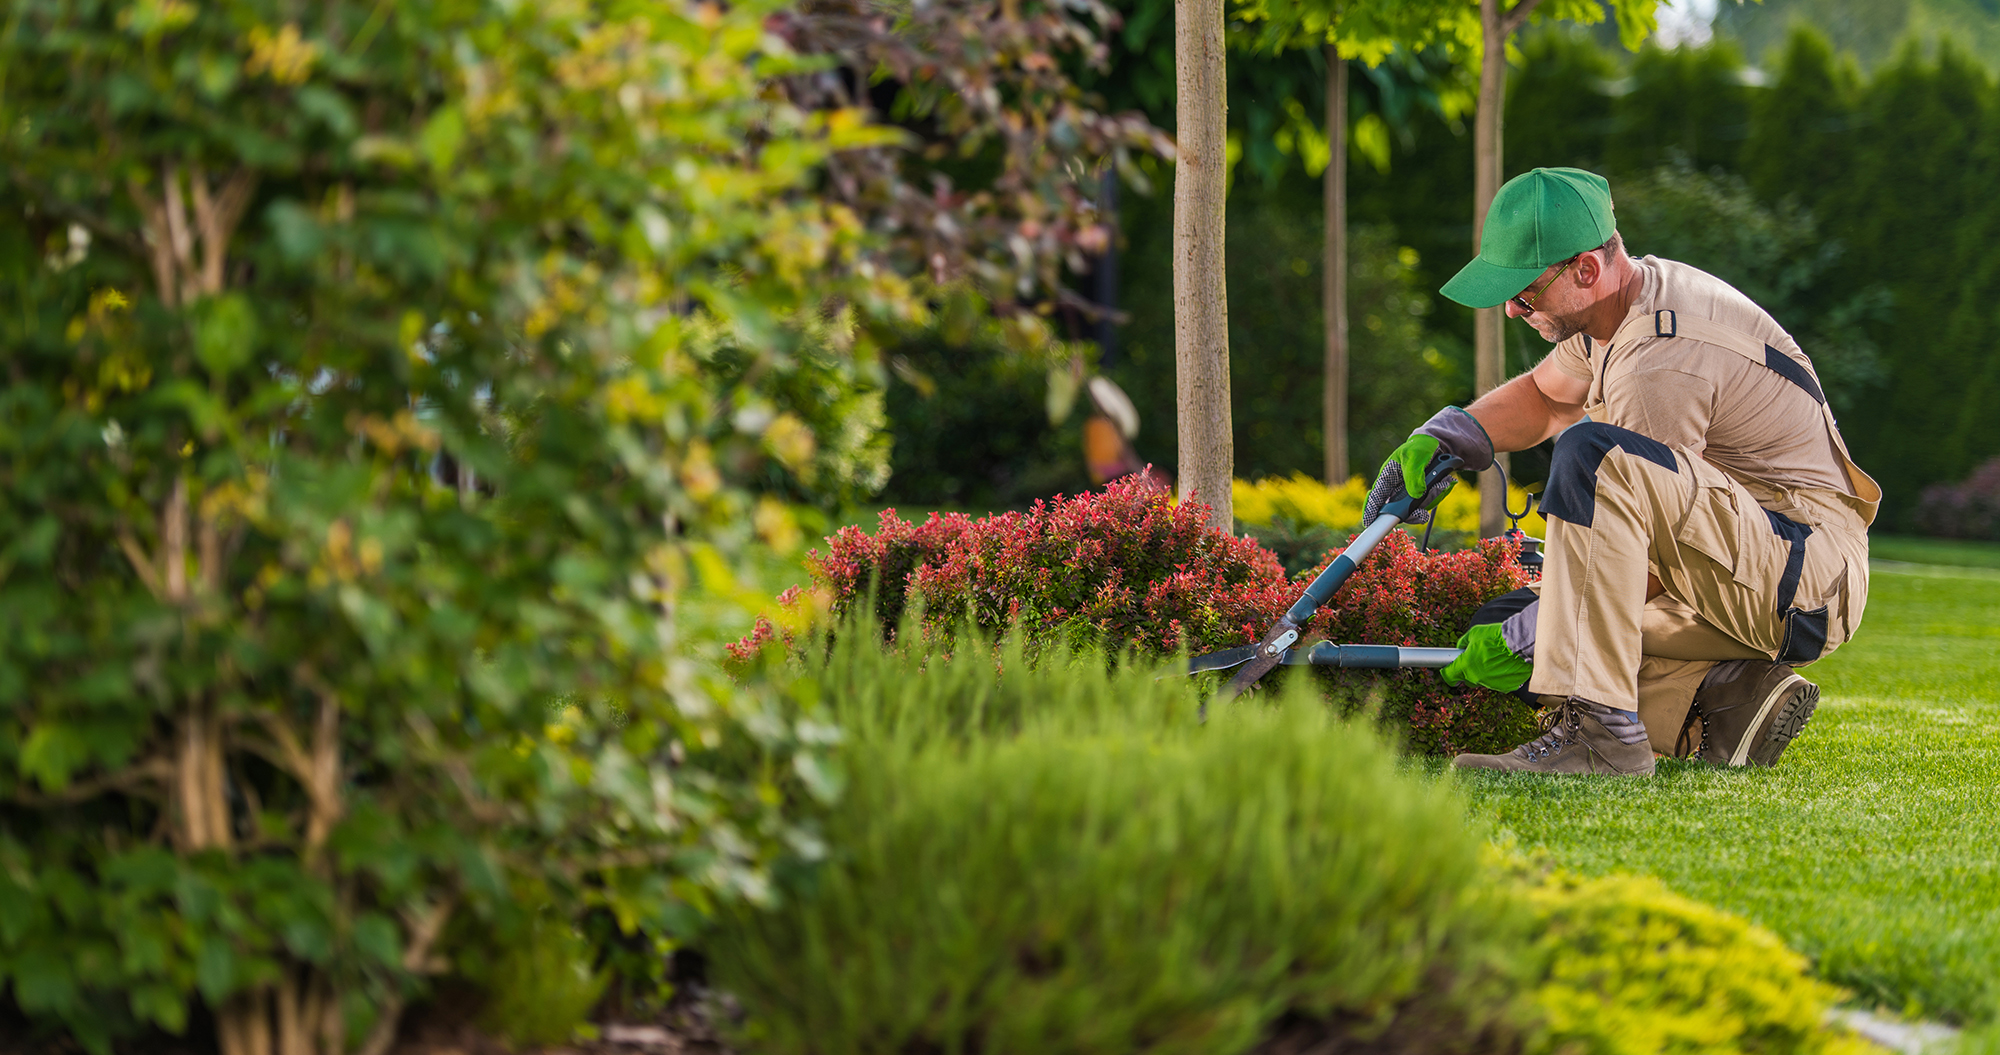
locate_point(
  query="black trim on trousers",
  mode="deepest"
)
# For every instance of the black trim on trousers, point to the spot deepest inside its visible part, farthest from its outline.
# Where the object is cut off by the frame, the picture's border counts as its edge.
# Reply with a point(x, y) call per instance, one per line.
point(1795, 562)
point(1571, 492)
point(1805, 635)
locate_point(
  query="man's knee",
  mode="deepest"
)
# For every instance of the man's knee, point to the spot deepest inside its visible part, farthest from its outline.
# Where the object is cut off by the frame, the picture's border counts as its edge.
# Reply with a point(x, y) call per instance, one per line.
point(1571, 493)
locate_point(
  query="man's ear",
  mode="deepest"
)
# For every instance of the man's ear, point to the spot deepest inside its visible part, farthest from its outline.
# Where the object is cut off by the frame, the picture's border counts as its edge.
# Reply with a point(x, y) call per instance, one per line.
point(1589, 268)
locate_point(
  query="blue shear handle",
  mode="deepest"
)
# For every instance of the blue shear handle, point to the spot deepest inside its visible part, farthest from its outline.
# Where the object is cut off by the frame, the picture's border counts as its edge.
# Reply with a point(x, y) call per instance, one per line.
point(1394, 512)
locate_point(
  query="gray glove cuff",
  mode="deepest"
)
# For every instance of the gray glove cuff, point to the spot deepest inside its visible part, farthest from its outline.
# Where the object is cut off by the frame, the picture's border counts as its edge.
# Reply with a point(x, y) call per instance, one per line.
point(1460, 435)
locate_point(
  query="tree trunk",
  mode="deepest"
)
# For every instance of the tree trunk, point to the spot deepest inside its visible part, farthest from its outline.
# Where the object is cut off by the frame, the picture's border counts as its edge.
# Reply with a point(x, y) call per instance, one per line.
point(1489, 366)
point(1201, 304)
point(1333, 295)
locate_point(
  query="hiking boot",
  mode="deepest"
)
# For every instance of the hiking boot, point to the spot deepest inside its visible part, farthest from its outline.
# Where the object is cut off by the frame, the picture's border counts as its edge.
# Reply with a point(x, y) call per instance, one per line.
point(1575, 740)
point(1749, 710)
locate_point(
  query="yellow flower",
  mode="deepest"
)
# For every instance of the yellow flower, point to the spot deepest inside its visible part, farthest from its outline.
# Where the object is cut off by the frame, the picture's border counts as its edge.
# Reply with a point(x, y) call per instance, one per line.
point(285, 57)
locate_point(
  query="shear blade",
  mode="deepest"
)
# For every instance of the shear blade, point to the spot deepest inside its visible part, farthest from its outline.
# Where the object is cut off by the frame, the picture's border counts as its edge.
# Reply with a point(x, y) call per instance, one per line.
point(1223, 660)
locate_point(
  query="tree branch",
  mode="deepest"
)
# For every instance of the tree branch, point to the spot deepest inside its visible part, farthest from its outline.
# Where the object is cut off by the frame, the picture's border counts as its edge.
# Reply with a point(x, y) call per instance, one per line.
point(141, 563)
point(152, 769)
point(1515, 19)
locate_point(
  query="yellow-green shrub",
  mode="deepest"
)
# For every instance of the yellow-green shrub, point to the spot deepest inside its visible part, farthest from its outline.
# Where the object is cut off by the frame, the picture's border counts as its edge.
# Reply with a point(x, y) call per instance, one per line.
point(1635, 969)
point(1306, 501)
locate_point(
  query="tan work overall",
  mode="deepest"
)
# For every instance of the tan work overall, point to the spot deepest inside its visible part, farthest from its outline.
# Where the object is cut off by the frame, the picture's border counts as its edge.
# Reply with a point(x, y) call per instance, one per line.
point(1753, 566)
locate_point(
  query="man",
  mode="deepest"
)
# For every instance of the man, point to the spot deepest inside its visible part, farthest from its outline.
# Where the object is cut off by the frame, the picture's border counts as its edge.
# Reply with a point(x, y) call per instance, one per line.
point(1707, 531)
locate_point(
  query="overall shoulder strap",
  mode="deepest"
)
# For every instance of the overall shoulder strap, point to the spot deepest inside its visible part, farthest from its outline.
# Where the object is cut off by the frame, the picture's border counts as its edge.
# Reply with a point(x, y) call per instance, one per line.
point(1668, 323)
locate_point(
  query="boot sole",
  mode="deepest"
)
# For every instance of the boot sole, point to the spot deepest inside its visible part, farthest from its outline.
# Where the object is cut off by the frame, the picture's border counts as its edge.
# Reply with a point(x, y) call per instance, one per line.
point(1779, 721)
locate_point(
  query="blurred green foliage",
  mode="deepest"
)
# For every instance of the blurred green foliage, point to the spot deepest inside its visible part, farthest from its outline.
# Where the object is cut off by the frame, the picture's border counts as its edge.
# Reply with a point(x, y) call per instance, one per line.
point(974, 426)
point(1859, 209)
point(1401, 370)
point(1063, 859)
point(541, 983)
point(1632, 967)
point(380, 385)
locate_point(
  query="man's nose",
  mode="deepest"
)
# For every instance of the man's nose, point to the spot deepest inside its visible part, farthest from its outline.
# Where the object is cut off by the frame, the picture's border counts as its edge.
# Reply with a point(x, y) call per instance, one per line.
point(1514, 309)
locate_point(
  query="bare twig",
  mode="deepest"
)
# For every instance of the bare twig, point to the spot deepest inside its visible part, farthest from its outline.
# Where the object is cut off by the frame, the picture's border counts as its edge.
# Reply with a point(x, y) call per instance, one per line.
point(425, 926)
point(141, 563)
point(153, 769)
point(174, 543)
point(216, 217)
point(159, 243)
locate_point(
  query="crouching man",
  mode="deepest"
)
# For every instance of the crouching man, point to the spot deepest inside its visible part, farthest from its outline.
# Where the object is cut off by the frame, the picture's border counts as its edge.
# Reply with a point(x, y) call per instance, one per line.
point(1707, 531)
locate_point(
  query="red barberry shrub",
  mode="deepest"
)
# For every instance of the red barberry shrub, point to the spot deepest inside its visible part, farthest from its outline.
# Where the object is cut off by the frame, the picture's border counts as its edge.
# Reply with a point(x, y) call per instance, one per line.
point(1403, 595)
point(1127, 569)
point(1124, 567)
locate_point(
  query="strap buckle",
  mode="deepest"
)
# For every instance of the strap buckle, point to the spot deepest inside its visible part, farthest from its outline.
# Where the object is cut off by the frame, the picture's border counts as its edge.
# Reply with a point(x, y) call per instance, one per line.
point(1665, 324)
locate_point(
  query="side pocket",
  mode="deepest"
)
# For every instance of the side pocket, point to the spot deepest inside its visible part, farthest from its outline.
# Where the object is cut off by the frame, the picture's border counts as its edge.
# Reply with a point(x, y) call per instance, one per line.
point(1805, 636)
point(1714, 523)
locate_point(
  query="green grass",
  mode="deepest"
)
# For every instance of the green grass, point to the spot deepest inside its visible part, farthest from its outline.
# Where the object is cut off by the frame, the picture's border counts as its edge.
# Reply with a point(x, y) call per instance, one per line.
point(1873, 847)
point(1960, 553)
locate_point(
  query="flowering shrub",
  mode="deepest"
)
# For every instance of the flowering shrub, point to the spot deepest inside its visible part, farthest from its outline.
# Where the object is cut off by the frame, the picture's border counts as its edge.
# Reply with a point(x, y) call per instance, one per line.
point(1127, 568)
point(1403, 595)
point(1968, 509)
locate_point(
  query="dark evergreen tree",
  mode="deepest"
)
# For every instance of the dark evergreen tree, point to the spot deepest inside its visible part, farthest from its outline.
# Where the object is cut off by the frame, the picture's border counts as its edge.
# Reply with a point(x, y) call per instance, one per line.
point(1898, 208)
point(1559, 102)
point(1680, 103)
point(1804, 125)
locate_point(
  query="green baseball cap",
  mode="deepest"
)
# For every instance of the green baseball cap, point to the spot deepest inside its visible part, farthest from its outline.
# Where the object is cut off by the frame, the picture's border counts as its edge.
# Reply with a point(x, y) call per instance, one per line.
point(1539, 218)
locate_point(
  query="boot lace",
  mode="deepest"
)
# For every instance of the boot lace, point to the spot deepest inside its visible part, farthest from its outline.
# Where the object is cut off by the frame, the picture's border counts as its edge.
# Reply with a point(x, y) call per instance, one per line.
point(1559, 726)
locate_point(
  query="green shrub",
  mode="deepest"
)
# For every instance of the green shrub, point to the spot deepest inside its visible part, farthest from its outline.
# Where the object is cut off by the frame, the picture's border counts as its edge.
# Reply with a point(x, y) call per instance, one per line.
point(1982, 1041)
point(357, 407)
point(1061, 859)
point(1634, 969)
point(541, 986)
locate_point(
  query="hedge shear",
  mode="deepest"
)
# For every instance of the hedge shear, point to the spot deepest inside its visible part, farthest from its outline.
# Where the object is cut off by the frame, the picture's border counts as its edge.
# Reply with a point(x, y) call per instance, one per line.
point(1258, 660)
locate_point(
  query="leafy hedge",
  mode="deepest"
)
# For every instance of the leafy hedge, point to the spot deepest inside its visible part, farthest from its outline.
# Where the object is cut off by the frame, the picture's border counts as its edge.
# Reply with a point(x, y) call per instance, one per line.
point(1126, 568)
point(355, 442)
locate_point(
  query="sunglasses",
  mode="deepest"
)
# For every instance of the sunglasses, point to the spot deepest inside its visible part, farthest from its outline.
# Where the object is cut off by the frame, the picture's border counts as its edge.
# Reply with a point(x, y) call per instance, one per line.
point(1527, 305)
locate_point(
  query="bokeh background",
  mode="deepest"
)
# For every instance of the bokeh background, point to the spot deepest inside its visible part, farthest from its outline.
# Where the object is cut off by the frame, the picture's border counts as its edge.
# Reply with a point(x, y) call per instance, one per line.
point(1837, 160)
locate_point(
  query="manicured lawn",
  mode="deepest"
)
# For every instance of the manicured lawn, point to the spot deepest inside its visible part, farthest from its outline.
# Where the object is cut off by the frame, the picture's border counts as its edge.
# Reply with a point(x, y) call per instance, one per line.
point(1949, 551)
point(1873, 847)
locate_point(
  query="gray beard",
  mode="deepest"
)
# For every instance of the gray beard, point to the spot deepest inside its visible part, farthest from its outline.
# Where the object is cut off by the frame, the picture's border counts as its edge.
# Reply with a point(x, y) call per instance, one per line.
point(1565, 329)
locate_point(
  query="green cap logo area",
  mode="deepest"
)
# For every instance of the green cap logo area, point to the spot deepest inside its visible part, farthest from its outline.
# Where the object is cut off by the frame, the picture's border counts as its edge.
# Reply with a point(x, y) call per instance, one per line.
point(1539, 218)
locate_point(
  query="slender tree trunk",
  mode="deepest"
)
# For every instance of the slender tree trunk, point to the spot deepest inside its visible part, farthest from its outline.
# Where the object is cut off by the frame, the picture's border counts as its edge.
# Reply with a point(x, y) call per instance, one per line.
point(1333, 296)
point(1489, 367)
point(1201, 303)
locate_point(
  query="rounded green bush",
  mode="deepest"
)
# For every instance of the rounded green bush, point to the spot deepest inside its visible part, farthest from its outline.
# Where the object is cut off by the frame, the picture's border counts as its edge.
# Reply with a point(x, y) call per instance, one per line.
point(1063, 859)
point(1635, 969)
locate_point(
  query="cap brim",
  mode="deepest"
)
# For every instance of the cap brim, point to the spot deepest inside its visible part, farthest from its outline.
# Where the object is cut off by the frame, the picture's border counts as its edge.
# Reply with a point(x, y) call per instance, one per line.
point(1481, 284)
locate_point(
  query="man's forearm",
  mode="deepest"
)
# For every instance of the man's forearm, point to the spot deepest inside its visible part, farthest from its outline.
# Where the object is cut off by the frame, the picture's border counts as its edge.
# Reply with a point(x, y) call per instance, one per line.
point(1518, 414)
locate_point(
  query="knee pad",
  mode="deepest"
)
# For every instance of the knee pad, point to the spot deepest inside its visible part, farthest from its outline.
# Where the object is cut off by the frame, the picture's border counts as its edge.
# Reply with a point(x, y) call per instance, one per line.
point(1571, 492)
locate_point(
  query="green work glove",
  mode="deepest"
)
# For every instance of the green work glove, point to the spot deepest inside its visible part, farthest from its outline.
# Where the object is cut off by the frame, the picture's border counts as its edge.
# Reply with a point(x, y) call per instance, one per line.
point(1451, 432)
point(1487, 662)
point(1414, 457)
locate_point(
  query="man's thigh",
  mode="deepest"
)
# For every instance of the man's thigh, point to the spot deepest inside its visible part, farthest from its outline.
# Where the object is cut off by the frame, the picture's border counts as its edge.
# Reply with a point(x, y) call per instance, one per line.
point(1671, 629)
point(1737, 568)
